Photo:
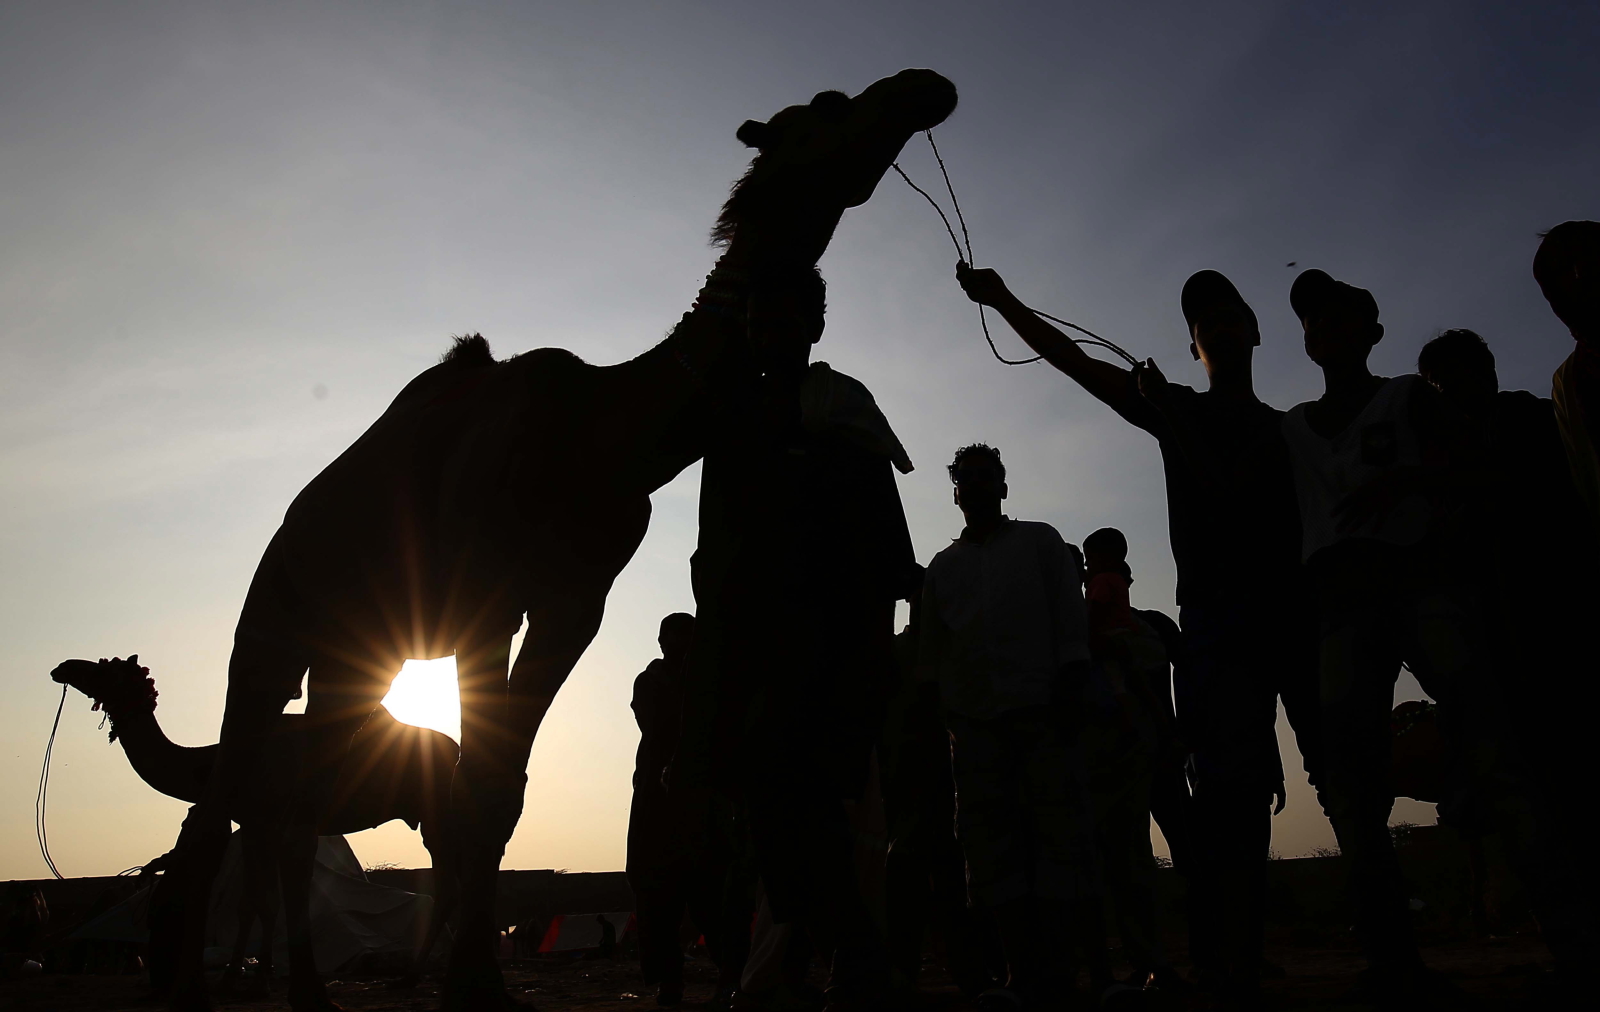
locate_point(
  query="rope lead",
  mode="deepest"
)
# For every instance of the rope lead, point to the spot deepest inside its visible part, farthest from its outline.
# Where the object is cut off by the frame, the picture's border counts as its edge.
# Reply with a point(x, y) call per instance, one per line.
point(965, 256)
point(39, 830)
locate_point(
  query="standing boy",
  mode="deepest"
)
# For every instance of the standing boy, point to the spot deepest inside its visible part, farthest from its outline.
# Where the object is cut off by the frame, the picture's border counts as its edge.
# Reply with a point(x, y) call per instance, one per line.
point(1235, 535)
point(1124, 753)
point(1378, 466)
point(668, 877)
point(1004, 633)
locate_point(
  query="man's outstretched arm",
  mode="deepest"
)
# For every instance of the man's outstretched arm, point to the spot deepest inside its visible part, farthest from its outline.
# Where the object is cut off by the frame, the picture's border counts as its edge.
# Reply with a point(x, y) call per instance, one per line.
point(1106, 381)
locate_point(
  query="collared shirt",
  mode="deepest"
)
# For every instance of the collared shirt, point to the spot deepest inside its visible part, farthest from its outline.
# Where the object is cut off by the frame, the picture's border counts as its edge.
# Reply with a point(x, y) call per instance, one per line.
point(1001, 617)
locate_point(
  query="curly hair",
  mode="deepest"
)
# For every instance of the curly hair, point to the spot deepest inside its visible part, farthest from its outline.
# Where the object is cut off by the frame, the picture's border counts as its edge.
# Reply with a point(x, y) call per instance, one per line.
point(1460, 346)
point(983, 450)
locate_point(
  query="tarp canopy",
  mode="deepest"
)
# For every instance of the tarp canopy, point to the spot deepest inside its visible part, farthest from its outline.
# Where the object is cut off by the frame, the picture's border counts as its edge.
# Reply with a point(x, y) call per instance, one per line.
point(581, 932)
point(350, 917)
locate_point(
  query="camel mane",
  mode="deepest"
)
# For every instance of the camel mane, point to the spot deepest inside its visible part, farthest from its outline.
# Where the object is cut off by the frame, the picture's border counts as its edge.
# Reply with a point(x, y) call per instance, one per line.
point(734, 208)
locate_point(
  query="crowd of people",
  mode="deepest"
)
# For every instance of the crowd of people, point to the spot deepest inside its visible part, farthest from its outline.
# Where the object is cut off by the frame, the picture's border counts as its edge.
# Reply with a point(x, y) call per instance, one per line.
point(990, 771)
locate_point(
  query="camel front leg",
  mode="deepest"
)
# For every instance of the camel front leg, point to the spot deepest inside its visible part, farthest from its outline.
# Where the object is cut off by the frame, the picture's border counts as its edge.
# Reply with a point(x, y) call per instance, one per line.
point(257, 902)
point(262, 674)
point(339, 699)
point(499, 719)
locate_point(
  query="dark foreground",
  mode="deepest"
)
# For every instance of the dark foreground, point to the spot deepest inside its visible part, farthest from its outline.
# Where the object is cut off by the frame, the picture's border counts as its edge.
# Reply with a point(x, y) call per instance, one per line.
point(1492, 974)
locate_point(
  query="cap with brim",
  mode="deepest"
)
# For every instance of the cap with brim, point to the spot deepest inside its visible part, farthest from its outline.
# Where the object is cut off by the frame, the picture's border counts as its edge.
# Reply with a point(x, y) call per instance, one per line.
point(1314, 293)
point(1208, 289)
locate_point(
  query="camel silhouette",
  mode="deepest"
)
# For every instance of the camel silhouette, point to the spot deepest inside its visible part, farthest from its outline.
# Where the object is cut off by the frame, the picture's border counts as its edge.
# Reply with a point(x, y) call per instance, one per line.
point(393, 771)
point(490, 490)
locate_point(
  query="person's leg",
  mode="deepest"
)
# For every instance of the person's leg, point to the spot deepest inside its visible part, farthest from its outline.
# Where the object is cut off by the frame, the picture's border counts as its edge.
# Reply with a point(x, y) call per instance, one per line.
point(1359, 660)
point(1447, 652)
point(1232, 709)
point(1293, 660)
point(1236, 824)
point(805, 856)
point(906, 880)
point(1068, 874)
point(658, 903)
point(985, 763)
point(720, 909)
point(1172, 807)
point(1122, 820)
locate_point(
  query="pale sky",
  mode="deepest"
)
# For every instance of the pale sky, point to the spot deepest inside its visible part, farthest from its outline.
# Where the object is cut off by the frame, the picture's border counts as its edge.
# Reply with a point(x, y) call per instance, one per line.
point(234, 231)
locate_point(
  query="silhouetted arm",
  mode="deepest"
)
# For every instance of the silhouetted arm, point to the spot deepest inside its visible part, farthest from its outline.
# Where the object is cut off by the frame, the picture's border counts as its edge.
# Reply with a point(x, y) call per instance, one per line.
point(1106, 381)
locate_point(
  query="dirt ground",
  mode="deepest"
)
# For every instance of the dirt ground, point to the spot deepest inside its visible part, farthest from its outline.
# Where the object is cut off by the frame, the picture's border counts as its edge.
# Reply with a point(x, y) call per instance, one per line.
point(1492, 974)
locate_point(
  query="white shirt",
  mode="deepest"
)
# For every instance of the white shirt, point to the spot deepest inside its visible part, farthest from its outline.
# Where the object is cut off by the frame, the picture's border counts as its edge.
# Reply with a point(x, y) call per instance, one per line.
point(1327, 471)
point(1001, 617)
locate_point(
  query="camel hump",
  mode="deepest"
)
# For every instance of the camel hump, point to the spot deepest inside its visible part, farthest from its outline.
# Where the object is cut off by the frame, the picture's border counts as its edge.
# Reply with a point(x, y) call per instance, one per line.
point(468, 350)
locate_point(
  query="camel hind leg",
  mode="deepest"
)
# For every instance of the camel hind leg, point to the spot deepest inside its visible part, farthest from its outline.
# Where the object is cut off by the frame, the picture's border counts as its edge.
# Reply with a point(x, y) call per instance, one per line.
point(500, 715)
point(262, 676)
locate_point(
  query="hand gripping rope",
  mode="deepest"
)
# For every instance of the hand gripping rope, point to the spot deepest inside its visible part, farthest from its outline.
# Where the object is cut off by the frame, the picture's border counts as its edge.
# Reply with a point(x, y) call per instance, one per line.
point(965, 257)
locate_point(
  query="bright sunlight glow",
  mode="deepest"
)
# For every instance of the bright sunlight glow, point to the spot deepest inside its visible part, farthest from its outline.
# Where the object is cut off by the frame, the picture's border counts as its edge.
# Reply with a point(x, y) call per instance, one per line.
point(424, 693)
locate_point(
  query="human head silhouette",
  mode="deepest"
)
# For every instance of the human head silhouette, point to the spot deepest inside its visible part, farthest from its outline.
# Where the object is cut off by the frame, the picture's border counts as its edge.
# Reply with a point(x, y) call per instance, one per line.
point(1567, 267)
point(979, 477)
point(676, 635)
point(1461, 366)
point(787, 316)
point(1222, 326)
point(1340, 320)
point(1106, 551)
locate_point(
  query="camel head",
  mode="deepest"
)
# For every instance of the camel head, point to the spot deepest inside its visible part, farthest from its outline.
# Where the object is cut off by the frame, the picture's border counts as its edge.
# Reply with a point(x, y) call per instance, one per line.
point(815, 160)
point(117, 686)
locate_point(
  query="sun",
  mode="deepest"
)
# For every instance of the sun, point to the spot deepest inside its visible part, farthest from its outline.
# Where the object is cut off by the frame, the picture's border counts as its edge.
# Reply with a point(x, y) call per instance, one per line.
point(424, 693)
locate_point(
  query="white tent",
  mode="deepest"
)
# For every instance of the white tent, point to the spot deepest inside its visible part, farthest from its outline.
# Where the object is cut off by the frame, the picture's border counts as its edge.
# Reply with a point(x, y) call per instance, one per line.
point(350, 917)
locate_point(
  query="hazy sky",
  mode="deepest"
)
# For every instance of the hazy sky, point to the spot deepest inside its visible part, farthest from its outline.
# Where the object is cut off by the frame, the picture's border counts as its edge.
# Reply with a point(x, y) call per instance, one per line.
point(233, 232)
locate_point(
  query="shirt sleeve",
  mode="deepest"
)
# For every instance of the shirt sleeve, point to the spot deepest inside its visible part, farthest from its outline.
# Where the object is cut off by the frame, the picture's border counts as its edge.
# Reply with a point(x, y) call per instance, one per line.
point(1135, 409)
point(1065, 573)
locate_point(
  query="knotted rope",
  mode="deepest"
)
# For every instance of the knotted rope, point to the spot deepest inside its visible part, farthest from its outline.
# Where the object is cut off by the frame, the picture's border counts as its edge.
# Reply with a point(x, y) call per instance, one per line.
point(965, 257)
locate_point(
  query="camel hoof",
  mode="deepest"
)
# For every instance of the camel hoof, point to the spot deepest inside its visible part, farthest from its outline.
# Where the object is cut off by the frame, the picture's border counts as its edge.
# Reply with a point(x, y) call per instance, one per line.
point(258, 989)
point(313, 1000)
point(189, 1000)
point(483, 1000)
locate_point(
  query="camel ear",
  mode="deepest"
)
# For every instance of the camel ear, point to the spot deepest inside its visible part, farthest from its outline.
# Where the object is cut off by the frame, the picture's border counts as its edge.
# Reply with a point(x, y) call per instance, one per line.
point(753, 133)
point(133, 658)
point(832, 106)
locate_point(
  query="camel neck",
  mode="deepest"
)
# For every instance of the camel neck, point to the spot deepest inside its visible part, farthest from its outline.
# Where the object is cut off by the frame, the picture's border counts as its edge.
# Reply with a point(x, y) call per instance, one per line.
point(172, 769)
point(660, 397)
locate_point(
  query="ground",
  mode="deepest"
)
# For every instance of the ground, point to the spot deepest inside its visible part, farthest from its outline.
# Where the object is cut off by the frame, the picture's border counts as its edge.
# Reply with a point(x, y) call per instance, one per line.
point(1493, 974)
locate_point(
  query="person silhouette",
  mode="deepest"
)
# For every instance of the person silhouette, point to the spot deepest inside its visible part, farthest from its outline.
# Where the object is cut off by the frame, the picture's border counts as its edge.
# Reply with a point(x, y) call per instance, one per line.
point(1247, 625)
point(1567, 267)
point(669, 877)
point(1545, 595)
point(925, 873)
point(803, 552)
point(1125, 752)
point(1005, 637)
point(1379, 467)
